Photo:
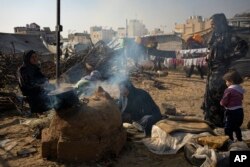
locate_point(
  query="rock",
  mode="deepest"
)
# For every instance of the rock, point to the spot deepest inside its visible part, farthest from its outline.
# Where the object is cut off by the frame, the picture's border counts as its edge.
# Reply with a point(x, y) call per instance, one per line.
point(26, 152)
point(212, 141)
point(127, 125)
point(168, 109)
point(248, 125)
point(146, 65)
point(162, 73)
point(237, 146)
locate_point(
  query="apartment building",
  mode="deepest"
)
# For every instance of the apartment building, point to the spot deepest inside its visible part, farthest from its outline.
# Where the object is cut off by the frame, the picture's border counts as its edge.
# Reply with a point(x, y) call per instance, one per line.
point(194, 24)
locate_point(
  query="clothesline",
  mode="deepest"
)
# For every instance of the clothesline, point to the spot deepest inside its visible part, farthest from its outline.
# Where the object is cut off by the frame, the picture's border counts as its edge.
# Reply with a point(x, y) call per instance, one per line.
point(201, 61)
point(187, 57)
point(192, 53)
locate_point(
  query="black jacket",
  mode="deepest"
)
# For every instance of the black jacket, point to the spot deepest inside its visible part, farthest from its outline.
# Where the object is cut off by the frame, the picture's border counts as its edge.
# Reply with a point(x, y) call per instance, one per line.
point(30, 78)
point(140, 103)
point(31, 82)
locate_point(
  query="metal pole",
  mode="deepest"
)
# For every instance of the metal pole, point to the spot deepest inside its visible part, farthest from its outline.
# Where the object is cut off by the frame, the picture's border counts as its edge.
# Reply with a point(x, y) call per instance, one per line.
point(58, 52)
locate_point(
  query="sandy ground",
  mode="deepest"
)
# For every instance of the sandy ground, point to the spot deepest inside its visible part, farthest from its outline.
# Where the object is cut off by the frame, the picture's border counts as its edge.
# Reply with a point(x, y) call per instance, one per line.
point(186, 94)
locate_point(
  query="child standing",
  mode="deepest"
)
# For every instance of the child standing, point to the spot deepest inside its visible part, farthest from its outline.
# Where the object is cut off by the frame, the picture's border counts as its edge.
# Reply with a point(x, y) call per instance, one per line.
point(232, 101)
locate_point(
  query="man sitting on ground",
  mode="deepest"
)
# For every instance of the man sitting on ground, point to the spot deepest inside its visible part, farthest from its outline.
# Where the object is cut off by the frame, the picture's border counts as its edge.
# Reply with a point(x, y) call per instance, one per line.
point(138, 107)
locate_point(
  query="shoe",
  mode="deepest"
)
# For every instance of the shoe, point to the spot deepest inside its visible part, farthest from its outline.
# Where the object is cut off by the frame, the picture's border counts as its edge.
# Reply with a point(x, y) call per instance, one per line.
point(138, 126)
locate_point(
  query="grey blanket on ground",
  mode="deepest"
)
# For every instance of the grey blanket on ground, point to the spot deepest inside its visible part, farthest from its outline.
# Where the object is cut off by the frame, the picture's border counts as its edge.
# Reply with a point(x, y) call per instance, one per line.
point(171, 134)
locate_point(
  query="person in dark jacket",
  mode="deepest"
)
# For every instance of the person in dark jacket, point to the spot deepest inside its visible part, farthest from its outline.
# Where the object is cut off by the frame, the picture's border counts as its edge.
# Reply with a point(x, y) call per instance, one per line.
point(33, 84)
point(195, 42)
point(138, 107)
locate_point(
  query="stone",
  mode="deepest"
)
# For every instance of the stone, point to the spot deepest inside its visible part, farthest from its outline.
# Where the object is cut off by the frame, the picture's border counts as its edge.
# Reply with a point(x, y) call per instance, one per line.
point(168, 109)
point(214, 142)
point(248, 125)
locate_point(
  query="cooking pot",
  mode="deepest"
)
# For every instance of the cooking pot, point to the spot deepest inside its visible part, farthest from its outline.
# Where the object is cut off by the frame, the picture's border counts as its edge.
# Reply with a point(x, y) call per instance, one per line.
point(63, 98)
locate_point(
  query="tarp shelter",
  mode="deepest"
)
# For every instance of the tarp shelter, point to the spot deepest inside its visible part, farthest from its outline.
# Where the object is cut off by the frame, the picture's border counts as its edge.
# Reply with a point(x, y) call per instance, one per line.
point(19, 43)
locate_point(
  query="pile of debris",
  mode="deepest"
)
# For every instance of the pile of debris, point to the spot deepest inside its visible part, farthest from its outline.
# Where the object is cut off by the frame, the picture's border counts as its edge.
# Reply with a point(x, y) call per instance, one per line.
point(8, 69)
point(100, 57)
point(8, 101)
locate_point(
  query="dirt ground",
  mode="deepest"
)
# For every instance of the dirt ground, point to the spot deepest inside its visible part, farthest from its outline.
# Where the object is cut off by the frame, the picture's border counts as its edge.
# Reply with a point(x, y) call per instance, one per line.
point(186, 94)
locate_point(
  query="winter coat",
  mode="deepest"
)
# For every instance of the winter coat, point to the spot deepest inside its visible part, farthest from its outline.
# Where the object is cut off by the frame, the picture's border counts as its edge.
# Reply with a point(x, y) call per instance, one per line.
point(140, 103)
point(31, 82)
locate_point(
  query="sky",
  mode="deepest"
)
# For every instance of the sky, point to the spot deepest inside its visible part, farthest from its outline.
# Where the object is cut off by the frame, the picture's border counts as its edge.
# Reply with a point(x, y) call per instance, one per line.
point(80, 15)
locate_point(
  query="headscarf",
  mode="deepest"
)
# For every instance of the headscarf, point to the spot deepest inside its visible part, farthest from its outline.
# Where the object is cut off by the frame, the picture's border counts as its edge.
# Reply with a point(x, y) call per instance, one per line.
point(26, 57)
point(127, 84)
point(221, 35)
point(220, 23)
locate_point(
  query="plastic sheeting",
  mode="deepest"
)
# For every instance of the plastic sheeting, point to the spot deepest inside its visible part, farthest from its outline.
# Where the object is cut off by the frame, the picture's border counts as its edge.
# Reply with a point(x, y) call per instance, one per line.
point(162, 142)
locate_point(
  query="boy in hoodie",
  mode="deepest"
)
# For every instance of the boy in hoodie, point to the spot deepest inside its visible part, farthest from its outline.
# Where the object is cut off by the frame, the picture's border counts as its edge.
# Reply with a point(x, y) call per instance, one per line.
point(232, 101)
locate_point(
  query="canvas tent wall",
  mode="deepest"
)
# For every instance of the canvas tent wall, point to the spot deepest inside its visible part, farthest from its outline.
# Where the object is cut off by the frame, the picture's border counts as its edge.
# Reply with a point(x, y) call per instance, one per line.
point(18, 43)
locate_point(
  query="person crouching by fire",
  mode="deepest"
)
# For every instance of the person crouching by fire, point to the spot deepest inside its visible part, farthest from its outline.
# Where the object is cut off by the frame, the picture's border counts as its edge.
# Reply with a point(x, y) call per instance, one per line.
point(138, 107)
point(33, 84)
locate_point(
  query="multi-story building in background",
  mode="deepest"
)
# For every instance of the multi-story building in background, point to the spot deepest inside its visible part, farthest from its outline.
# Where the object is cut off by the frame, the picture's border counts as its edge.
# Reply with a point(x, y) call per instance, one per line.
point(34, 29)
point(136, 28)
point(78, 42)
point(95, 28)
point(240, 20)
point(121, 32)
point(169, 42)
point(82, 38)
point(48, 35)
point(98, 33)
point(157, 31)
point(194, 24)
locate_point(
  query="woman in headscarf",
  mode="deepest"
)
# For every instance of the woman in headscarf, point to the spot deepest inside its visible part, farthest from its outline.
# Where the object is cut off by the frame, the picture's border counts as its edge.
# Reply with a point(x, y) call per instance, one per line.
point(138, 107)
point(223, 51)
point(218, 64)
point(33, 83)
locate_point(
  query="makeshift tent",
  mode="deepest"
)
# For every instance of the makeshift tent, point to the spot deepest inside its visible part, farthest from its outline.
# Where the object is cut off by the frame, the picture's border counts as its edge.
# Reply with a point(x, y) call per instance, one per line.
point(19, 43)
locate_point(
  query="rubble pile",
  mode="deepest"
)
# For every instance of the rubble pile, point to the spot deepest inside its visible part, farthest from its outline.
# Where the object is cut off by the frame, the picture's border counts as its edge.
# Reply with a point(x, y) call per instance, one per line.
point(49, 69)
point(7, 101)
point(8, 69)
point(100, 57)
